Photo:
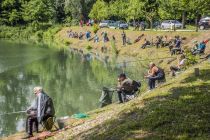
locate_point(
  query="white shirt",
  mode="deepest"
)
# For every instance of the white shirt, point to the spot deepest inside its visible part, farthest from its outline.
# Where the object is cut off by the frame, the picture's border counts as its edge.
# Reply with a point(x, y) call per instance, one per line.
point(182, 62)
point(38, 108)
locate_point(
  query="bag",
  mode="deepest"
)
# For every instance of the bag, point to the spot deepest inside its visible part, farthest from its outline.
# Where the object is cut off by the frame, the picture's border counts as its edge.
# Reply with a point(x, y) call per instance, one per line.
point(136, 85)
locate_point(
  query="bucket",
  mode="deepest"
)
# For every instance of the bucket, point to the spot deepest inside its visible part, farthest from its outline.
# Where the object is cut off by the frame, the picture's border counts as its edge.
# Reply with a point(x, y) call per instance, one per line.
point(61, 122)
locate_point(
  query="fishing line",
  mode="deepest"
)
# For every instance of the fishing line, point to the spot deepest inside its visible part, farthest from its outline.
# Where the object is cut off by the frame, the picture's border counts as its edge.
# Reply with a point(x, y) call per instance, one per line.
point(10, 113)
point(142, 60)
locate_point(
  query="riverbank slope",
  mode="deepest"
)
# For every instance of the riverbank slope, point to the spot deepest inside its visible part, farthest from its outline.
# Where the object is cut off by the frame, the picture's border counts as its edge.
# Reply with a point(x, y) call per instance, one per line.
point(178, 109)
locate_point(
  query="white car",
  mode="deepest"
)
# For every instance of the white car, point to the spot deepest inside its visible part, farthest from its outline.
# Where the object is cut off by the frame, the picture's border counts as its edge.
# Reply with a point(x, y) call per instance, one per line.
point(105, 23)
point(169, 24)
point(118, 25)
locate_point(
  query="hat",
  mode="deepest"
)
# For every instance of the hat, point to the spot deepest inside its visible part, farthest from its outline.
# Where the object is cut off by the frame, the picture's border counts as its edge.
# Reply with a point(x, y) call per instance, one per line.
point(122, 75)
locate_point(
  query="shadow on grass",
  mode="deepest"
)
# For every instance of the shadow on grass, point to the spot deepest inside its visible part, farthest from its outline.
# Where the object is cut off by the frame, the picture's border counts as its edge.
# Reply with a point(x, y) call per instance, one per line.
point(204, 75)
point(184, 114)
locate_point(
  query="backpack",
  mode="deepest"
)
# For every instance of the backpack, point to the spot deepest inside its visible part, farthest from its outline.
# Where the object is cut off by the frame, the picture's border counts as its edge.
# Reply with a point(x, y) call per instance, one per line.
point(136, 85)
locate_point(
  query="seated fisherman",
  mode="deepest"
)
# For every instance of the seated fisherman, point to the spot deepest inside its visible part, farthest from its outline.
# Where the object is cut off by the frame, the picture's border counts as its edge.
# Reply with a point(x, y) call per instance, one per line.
point(155, 73)
point(124, 87)
point(88, 35)
point(138, 38)
point(177, 47)
point(41, 109)
point(81, 36)
point(179, 66)
point(195, 47)
point(146, 43)
point(96, 38)
point(158, 41)
point(201, 47)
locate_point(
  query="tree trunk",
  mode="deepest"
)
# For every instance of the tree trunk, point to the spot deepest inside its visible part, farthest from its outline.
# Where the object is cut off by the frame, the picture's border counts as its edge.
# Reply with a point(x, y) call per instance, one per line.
point(151, 23)
point(183, 19)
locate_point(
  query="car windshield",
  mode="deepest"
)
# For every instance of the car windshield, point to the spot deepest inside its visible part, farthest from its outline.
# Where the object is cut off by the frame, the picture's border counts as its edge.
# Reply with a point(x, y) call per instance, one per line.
point(174, 21)
point(166, 21)
point(105, 21)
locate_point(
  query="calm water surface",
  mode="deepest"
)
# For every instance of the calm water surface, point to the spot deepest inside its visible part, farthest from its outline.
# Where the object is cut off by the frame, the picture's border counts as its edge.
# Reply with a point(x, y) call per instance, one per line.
point(72, 81)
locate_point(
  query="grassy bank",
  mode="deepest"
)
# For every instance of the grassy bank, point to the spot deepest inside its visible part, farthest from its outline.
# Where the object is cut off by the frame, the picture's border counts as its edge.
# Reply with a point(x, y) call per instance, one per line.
point(126, 53)
point(178, 109)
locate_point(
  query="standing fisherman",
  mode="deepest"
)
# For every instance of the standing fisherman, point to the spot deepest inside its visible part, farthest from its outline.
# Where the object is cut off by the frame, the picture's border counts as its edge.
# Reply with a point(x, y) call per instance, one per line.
point(124, 38)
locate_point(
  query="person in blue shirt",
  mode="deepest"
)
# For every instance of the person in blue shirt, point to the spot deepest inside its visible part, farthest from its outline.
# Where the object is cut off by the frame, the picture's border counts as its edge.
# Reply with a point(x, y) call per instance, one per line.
point(201, 48)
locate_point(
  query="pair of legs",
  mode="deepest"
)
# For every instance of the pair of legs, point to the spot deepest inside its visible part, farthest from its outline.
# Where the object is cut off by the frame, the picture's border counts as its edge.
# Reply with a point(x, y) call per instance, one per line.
point(122, 96)
point(175, 50)
point(197, 52)
point(174, 69)
point(157, 45)
point(30, 123)
point(152, 80)
point(124, 41)
point(145, 45)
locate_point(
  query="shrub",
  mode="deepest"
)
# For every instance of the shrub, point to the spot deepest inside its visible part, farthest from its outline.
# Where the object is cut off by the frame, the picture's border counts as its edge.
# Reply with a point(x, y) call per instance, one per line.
point(95, 28)
point(89, 47)
point(114, 48)
point(67, 43)
point(191, 59)
point(39, 34)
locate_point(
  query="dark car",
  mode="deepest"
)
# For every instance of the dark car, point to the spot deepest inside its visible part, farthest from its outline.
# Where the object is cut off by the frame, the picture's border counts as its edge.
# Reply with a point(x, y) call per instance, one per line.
point(204, 23)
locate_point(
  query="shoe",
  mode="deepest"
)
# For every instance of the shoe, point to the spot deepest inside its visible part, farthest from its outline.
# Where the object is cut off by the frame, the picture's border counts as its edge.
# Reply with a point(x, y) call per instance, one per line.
point(27, 137)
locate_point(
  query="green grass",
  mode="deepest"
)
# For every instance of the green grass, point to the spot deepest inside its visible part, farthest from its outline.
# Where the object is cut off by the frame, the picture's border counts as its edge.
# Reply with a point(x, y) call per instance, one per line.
point(180, 109)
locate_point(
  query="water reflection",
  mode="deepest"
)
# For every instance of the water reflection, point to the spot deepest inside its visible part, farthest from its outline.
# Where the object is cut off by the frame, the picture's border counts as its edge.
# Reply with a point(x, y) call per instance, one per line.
point(72, 82)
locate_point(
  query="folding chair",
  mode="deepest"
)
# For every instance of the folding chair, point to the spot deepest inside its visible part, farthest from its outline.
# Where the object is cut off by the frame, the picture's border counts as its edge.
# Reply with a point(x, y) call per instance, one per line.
point(49, 123)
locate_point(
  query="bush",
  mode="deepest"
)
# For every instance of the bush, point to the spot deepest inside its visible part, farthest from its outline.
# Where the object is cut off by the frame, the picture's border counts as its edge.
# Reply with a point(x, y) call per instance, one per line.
point(74, 22)
point(89, 47)
point(95, 28)
point(39, 34)
point(67, 43)
point(114, 48)
point(191, 59)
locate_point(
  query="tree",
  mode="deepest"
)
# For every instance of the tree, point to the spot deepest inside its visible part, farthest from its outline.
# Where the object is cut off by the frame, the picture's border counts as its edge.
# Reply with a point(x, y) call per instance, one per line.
point(44, 11)
point(150, 10)
point(134, 9)
point(119, 9)
point(10, 12)
point(100, 10)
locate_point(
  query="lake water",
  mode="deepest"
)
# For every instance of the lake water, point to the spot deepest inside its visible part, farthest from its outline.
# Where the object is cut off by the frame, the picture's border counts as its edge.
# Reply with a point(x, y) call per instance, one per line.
point(72, 81)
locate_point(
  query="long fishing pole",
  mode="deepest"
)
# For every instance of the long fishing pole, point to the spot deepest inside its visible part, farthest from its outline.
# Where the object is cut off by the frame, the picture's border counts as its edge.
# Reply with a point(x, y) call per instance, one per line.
point(143, 60)
point(10, 113)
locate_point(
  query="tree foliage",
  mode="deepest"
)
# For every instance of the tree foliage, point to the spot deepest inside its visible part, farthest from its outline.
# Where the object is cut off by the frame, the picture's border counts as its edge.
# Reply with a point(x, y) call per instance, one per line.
point(18, 12)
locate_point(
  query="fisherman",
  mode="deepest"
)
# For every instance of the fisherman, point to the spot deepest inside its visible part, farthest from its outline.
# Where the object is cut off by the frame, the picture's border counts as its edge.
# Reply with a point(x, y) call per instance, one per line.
point(155, 73)
point(181, 64)
point(177, 47)
point(200, 47)
point(123, 38)
point(41, 109)
point(126, 87)
point(146, 43)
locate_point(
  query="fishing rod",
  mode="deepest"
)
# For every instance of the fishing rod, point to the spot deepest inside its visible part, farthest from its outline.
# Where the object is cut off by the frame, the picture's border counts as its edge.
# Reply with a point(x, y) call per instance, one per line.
point(10, 113)
point(142, 60)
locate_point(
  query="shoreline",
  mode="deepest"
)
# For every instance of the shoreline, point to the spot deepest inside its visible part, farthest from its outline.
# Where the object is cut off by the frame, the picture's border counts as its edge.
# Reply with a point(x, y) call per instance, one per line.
point(60, 41)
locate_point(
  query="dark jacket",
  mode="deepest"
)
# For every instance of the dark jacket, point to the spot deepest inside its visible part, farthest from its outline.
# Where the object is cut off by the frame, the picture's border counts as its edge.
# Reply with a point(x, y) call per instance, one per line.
point(46, 107)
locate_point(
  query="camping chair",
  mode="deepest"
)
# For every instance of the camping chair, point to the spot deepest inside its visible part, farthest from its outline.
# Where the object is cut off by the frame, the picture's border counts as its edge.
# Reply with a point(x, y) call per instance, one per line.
point(49, 123)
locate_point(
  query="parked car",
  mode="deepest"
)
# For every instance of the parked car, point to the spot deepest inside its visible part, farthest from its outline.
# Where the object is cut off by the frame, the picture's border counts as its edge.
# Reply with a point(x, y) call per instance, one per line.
point(204, 23)
point(105, 23)
point(169, 24)
point(113, 25)
point(122, 25)
point(118, 25)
